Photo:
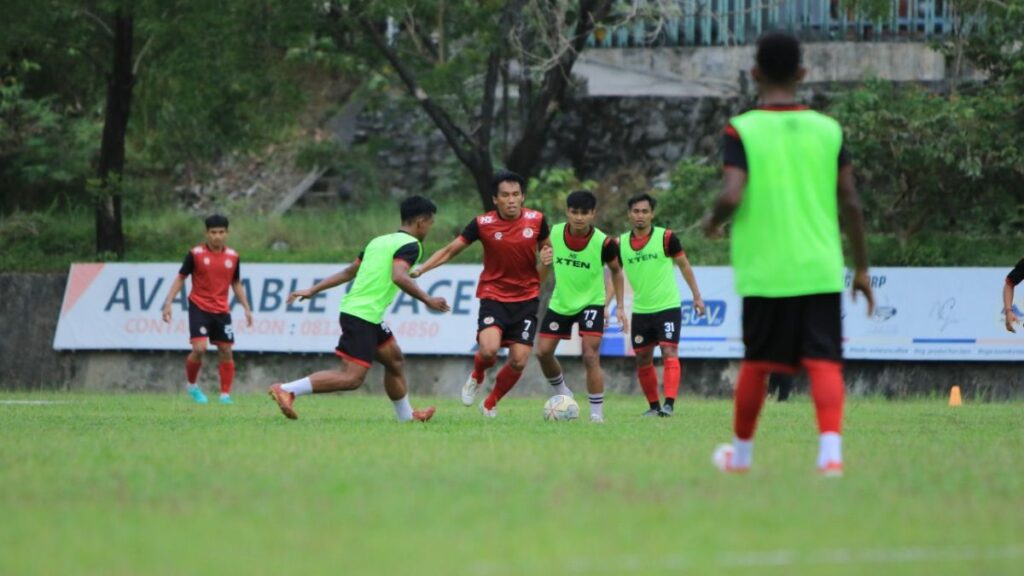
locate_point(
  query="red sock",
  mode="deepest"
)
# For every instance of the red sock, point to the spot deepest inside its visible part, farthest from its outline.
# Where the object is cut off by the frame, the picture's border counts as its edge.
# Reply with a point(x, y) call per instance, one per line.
point(480, 366)
point(648, 377)
point(671, 373)
point(750, 393)
point(507, 378)
point(192, 370)
point(828, 392)
point(227, 375)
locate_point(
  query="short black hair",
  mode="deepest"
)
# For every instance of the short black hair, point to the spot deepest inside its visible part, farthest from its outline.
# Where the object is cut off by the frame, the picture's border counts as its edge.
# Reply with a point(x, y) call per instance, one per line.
point(414, 206)
point(643, 196)
point(581, 200)
point(508, 176)
point(778, 57)
point(216, 221)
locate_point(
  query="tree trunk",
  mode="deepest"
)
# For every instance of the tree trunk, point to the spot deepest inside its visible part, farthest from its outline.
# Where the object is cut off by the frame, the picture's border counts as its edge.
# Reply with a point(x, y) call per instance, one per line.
point(109, 232)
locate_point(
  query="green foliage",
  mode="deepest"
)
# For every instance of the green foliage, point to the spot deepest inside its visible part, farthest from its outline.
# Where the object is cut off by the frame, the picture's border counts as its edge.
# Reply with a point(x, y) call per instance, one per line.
point(694, 184)
point(932, 162)
point(548, 191)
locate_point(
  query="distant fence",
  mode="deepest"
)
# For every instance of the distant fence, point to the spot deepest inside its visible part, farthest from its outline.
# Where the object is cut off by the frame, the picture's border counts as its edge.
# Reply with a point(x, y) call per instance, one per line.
point(736, 22)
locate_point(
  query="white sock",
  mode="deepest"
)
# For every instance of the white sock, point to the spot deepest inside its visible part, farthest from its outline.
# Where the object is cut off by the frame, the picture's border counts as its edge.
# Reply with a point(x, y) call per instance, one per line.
point(403, 410)
point(190, 386)
point(830, 448)
point(743, 455)
point(558, 383)
point(596, 404)
point(299, 387)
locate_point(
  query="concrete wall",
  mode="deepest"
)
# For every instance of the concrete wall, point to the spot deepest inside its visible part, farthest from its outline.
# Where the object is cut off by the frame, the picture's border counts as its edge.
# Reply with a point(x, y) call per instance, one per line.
point(715, 70)
point(30, 304)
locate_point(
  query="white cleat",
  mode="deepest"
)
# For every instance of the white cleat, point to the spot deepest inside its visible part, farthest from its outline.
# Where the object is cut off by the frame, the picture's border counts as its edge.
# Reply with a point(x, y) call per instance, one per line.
point(722, 459)
point(596, 419)
point(469, 390)
point(492, 413)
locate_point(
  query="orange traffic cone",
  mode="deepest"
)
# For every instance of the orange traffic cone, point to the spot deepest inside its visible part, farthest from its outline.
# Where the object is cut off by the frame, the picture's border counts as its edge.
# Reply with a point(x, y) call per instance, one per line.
point(954, 397)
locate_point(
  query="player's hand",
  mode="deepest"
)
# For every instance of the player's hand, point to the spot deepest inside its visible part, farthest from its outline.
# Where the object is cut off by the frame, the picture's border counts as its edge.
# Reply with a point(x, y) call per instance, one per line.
point(547, 255)
point(1011, 319)
point(620, 314)
point(698, 305)
point(167, 313)
point(862, 284)
point(248, 318)
point(438, 304)
point(711, 230)
point(298, 295)
point(414, 274)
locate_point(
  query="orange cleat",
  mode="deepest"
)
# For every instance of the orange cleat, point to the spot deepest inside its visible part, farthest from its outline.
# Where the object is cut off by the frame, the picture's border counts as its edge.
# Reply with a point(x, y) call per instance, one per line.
point(421, 415)
point(831, 470)
point(284, 401)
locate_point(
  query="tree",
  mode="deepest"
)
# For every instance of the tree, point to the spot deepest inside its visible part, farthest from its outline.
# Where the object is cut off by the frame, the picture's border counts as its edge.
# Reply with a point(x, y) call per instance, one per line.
point(451, 54)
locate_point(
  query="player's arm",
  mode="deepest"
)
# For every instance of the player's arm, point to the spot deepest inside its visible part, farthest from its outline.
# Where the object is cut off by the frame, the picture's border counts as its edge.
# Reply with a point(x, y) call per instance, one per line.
point(240, 293)
point(337, 279)
point(187, 266)
point(440, 257)
point(400, 276)
point(176, 286)
point(1012, 279)
point(618, 291)
point(853, 220)
point(691, 280)
point(734, 181)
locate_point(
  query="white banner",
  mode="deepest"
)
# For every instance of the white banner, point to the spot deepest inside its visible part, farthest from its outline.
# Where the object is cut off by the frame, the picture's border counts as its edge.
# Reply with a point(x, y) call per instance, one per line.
point(922, 314)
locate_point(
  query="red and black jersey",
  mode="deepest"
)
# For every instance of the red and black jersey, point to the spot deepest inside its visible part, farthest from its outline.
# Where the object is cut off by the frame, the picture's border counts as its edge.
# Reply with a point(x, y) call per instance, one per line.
point(510, 254)
point(733, 154)
point(212, 274)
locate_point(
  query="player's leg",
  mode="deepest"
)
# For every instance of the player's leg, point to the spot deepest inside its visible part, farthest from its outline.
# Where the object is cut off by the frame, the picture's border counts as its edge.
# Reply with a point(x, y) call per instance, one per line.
point(554, 329)
point(390, 356)
point(595, 377)
point(226, 369)
point(223, 336)
point(355, 350)
point(644, 338)
point(770, 339)
point(508, 376)
point(670, 322)
point(489, 328)
point(198, 329)
point(822, 357)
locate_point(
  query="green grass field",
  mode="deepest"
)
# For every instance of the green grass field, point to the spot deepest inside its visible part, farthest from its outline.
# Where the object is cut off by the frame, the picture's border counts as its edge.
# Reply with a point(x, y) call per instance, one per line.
point(152, 484)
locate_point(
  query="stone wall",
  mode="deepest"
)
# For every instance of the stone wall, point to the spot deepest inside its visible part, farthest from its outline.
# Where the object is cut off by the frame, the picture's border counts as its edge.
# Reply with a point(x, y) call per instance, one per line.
point(30, 305)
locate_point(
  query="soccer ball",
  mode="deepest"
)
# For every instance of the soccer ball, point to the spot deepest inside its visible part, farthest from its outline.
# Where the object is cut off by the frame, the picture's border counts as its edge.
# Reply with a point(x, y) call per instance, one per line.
point(561, 407)
point(722, 458)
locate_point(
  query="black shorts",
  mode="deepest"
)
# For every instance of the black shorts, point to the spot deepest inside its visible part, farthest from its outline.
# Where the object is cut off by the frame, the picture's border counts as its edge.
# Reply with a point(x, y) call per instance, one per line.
point(360, 339)
point(787, 330)
point(516, 320)
point(203, 325)
point(590, 320)
point(656, 328)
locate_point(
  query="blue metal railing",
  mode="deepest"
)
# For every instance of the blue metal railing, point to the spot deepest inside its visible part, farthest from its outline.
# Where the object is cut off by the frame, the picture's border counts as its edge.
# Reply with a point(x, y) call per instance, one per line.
point(734, 22)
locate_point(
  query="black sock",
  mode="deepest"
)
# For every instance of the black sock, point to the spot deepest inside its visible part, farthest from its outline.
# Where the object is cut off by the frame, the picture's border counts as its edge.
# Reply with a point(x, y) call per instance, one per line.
point(655, 406)
point(670, 402)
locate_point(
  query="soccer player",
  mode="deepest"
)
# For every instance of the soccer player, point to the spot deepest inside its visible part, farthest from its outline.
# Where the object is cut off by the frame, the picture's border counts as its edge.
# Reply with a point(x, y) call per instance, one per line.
point(509, 286)
point(649, 255)
point(379, 272)
point(578, 255)
point(786, 177)
point(1012, 279)
point(213, 267)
